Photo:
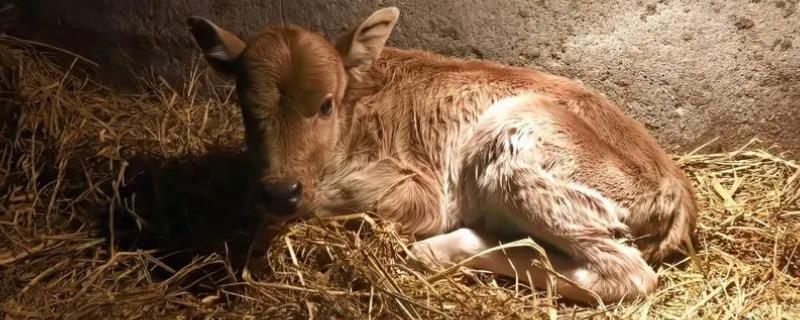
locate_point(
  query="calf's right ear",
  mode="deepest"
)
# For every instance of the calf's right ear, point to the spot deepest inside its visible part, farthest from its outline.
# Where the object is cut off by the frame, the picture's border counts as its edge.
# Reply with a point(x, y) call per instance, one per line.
point(220, 47)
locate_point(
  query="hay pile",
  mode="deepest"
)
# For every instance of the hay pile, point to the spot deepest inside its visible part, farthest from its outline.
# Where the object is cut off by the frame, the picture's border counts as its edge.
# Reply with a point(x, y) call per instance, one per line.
point(158, 175)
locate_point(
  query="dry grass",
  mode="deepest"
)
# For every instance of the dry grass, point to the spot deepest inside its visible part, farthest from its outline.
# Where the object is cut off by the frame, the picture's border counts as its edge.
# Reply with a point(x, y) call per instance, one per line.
point(158, 175)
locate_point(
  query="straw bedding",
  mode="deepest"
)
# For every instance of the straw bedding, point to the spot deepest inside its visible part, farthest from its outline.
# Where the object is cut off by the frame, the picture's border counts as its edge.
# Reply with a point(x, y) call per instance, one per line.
point(120, 205)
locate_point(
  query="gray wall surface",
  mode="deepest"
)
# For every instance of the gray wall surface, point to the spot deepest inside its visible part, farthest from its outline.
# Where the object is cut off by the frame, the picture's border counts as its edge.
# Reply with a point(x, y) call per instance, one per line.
point(690, 70)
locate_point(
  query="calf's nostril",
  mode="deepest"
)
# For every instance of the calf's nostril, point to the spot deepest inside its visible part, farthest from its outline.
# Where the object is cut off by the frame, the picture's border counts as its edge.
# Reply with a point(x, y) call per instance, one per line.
point(295, 191)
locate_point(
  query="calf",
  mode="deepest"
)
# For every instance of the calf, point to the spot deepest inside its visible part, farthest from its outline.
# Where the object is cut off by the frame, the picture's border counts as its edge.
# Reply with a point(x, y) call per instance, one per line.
point(464, 154)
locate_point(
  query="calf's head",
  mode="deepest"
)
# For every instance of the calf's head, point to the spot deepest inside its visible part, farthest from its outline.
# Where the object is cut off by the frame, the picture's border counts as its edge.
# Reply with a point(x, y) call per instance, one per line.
point(291, 84)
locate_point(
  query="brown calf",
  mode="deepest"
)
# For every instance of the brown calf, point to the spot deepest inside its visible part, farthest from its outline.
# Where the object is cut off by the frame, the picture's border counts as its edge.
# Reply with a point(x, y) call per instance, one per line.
point(463, 153)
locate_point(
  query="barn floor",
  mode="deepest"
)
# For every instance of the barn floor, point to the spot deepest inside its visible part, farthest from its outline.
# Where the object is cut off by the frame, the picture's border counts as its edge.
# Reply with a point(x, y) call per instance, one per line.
point(158, 174)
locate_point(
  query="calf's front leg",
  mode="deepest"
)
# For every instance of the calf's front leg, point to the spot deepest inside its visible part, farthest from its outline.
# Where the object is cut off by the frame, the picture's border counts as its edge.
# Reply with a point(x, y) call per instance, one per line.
point(399, 192)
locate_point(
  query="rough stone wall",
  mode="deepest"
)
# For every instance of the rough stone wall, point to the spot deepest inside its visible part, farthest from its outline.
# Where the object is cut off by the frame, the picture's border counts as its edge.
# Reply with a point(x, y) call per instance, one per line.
point(690, 70)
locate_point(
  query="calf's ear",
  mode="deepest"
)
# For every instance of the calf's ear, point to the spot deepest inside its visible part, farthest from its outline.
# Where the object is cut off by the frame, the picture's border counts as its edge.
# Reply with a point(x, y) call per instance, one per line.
point(220, 47)
point(361, 46)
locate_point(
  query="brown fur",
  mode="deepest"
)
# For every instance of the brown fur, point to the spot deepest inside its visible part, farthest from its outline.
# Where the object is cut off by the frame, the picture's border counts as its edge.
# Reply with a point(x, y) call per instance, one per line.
point(467, 153)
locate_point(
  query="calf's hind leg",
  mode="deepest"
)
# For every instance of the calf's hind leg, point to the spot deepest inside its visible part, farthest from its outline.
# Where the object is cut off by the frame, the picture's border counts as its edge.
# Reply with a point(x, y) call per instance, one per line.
point(518, 262)
point(592, 281)
point(505, 190)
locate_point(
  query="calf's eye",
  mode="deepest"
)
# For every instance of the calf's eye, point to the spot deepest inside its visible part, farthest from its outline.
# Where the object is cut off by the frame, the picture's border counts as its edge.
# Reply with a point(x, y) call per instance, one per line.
point(327, 106)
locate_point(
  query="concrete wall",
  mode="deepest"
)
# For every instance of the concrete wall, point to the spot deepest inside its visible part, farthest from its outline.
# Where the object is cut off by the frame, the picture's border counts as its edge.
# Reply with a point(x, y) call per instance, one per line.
point(689, 70)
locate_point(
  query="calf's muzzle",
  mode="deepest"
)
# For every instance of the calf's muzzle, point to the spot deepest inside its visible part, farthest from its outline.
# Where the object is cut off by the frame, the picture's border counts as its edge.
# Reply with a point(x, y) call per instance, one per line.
point(282, 196)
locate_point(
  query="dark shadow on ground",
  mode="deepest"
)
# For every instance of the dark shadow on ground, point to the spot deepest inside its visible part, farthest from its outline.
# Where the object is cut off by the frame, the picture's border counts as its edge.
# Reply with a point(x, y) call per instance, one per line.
point(185, 208)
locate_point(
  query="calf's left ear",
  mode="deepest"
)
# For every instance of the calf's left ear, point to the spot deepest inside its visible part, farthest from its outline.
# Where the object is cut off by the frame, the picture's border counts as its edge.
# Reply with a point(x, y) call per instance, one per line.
point(220, 47)
point(361, 46)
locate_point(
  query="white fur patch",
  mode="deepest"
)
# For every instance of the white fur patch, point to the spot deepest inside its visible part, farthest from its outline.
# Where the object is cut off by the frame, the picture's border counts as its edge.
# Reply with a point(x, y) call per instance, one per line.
point(218, 52)
point(581, 276)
